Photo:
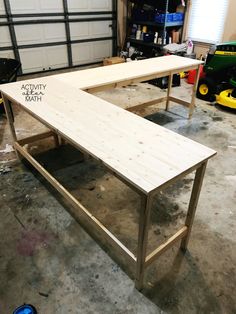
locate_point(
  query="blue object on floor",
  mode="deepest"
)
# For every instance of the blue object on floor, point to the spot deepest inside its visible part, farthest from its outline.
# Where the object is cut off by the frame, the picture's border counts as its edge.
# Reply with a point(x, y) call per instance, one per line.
point(25, 309)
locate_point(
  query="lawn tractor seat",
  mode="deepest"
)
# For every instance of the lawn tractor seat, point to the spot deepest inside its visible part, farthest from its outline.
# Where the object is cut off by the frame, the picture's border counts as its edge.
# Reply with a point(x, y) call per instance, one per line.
point(8, 74)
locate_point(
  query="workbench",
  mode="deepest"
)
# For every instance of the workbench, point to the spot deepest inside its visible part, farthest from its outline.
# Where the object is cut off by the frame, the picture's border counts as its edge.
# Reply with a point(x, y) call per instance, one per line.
point(145, 156)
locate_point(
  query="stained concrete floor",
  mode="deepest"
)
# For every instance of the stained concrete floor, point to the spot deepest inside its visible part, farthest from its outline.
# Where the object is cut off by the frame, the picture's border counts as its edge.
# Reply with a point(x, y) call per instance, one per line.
point(48, 260)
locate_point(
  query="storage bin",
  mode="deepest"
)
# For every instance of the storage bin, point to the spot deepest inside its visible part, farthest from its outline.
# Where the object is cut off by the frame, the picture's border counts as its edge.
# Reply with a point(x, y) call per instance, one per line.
point(170, 17)
point(8, 70)
point(160, 18)
point(177, 17)
point(8, 74)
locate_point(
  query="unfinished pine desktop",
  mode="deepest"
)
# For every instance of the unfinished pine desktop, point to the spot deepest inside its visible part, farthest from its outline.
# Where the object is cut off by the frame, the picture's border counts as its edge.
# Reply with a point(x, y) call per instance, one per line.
point(145, 156)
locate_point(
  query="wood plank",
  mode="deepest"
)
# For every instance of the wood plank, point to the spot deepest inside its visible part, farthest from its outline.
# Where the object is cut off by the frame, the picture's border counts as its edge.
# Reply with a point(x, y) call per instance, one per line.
point(165, 246)
point(78, 211)
point(192, 104)
point(10, 120)
point(122, 83)
point(170, 80)
point(144, 218)
point(127, 73)
point(179, 101)
point(193, 203)
point(9, 117)
point(146, 104)
point(35, 138)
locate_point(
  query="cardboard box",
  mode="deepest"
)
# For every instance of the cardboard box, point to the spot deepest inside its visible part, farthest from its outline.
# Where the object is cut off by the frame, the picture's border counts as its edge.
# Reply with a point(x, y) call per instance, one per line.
point(113, 60)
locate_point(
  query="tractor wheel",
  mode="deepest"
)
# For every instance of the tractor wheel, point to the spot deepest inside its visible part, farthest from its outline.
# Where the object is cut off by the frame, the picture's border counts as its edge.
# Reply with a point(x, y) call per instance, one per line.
point(206, 89)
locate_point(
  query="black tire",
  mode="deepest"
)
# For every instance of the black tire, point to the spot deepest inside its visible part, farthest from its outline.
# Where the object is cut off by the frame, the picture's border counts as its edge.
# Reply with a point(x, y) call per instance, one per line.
point(209, 86)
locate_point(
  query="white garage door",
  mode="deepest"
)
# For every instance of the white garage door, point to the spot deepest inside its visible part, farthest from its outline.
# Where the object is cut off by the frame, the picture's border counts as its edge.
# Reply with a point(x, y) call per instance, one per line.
point(57, 33)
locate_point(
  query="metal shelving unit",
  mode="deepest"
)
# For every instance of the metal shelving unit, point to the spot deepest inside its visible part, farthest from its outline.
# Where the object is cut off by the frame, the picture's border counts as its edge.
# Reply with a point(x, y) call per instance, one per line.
point(155, 26)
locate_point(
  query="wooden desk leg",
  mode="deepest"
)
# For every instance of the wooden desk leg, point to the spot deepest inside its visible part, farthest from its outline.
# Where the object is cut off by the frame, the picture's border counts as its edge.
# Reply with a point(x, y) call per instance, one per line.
point(192, 104)
point(142, 240)
point(61, 141)
point(170, 80)
point(193, 203)
point(9, 117)
point(9, 114)
point(56, 140)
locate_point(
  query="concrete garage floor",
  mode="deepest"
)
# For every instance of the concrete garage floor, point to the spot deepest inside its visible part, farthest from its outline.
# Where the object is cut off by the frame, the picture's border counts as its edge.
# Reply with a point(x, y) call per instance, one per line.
point(48, 260)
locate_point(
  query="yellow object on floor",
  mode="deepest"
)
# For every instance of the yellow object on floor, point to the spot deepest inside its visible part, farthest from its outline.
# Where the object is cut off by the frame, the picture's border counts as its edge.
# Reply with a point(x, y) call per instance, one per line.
point(225, 99)
point(1, 101)
point(183, 74)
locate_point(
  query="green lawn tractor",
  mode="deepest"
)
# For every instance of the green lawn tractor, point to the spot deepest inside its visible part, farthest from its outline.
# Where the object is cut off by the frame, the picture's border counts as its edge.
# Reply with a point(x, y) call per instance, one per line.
point(219, 80)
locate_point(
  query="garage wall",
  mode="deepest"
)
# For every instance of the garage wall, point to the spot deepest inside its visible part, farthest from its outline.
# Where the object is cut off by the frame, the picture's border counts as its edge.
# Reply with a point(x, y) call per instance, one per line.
point(229, 30)
point(57, 33)
point(230, 23)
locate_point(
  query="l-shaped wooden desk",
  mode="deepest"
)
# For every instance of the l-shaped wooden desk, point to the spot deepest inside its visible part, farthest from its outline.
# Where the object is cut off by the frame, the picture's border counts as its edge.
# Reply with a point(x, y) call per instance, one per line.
point(145, 156)
point(98, 79)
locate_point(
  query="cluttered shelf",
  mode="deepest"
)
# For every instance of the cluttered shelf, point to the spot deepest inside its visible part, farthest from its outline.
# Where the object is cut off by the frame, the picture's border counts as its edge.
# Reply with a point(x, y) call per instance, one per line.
point(143, 43)
point(155, 24)
point(145, 37)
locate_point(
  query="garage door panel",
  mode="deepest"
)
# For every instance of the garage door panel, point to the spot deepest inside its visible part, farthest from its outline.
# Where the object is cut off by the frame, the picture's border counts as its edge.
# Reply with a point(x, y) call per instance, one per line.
point(100, 29)
point(90, 15)
point(32, 64)
point(56, 57)
point(43, 58)
point(29, 34)
point(51, 6)
point(81, 53)
point(85, 30)
point(36, 6)
point(103, 5)
point(79, 30)
point(75, 5)
point(7, 54)
point(5, 36)
point(40, 33)
point(54, 32)
point(25, 19)
point(26, 6)
point(89, 5)
point(101, 49)
point(2, 7)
